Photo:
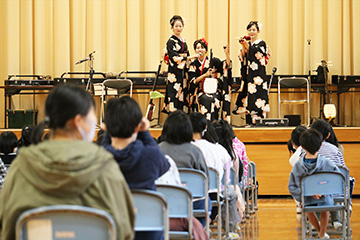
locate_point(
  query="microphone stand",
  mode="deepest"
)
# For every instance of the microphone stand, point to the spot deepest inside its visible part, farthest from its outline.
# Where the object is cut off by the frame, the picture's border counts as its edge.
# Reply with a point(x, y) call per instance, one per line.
point(91, 66)
point(308, 41)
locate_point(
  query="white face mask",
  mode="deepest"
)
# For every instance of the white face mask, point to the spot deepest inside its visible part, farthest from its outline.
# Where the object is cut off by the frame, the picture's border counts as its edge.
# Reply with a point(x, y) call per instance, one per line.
point(88, 136)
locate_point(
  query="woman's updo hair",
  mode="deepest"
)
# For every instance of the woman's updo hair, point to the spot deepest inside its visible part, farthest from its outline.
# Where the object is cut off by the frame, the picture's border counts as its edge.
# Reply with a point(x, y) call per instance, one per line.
point(202, 42)
point(253, 23)
point(174, 18)
point(62, 104)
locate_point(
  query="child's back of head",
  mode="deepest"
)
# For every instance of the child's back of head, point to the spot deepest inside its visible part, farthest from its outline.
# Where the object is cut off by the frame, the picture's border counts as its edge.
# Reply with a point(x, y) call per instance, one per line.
point(311, 140)
point(122, 116)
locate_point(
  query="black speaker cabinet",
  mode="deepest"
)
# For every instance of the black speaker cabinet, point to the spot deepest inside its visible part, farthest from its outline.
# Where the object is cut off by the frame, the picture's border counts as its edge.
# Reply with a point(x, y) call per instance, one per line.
point(294, 120)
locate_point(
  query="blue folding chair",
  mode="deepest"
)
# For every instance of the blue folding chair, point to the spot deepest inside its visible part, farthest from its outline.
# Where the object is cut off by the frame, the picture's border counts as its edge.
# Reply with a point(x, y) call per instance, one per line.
point(65, 222)
point(254, 187)
point(214, 183)
point(338, 199)
point(151, 211)
point(179, 202)
point(196, 181)
point(323, 183)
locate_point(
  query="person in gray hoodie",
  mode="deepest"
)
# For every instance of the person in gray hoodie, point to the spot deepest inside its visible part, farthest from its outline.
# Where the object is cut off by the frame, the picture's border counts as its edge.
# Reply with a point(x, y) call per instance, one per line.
point(312, 162)
point(67, 168)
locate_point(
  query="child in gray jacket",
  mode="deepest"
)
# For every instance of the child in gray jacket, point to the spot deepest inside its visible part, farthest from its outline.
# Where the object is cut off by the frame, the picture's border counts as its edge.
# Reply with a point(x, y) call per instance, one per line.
point(312, 162)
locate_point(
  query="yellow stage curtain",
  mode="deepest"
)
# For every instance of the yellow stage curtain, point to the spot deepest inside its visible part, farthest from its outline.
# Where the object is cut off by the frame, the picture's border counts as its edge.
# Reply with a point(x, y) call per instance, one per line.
point(49, 36)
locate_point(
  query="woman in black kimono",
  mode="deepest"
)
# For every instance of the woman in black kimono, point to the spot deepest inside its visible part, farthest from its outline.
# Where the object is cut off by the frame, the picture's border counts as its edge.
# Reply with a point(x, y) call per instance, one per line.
point(178, 53)
point(197, 73)
point(211, 104)
point(256, 52)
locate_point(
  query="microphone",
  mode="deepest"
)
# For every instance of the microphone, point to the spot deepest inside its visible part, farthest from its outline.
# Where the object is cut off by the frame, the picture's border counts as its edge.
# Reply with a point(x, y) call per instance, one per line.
point(85, 59)
point(82, 60)
point(274, 70)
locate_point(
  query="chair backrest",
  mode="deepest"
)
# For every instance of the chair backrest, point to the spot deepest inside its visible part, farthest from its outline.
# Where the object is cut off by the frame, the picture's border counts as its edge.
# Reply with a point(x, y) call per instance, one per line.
point(214, 179)
point(195, 180)
point(293, 82)
point(233, 178)
point(151, 211)
point(179, 202)
point(210, 85)
point(65, 222)
point(323, 183)
point(121, 85)
point(345, 172)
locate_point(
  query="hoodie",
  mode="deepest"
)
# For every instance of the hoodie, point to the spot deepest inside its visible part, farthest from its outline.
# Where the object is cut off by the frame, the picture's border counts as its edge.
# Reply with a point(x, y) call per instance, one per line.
point(141, 161)
point(65, 172)
point(302, 169)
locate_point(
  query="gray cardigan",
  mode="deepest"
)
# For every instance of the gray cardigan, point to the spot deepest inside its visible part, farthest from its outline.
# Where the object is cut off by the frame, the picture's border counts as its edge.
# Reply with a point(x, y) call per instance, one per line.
point(185, 155)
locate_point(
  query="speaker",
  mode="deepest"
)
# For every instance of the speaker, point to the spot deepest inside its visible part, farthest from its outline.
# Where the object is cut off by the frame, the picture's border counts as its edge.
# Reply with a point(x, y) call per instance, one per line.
point(294, 120)
point(271, 122)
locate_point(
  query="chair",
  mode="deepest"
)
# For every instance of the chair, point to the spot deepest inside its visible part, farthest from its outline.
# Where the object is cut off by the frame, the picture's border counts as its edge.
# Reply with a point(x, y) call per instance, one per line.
point(196, 181)
point(254, 187)
point(65, 222)
point(214, 183)
point(179, 202)
point(294, 82)
point(246, 189)
point(323, 183)
point(338, 199)
point(151, 211)
point(114, 87)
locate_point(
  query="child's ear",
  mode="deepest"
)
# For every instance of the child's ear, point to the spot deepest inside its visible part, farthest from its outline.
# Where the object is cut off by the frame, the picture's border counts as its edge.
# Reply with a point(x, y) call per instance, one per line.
point(103, 127)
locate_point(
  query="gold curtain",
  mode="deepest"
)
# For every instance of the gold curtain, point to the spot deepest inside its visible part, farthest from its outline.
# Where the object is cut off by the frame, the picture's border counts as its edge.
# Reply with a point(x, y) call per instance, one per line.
point(49, 36)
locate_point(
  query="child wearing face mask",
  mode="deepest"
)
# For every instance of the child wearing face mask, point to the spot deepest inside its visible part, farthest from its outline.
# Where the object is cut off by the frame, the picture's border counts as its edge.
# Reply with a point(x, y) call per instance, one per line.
point(66, 168)
point(128, 139)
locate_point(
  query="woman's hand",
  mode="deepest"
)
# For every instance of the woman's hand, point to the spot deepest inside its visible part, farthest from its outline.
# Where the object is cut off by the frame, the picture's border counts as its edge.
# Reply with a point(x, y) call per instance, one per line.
point(227, 49)
point(178, 60)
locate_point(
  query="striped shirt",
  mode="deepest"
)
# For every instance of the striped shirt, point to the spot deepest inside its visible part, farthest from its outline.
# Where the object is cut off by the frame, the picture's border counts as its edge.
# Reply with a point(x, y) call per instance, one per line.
point(3, 171)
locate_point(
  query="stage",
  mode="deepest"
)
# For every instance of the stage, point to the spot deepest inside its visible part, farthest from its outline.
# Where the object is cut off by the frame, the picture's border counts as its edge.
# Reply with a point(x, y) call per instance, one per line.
point(267, 148)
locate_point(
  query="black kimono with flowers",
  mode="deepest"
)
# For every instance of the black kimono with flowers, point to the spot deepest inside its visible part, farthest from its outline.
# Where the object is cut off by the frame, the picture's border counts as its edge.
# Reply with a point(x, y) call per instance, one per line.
point(176, 84)
point(210, 104)
point(258, 100)
point(196, 69)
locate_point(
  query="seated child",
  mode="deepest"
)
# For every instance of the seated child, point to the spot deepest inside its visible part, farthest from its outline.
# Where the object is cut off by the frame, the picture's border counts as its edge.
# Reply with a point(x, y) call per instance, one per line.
point(128, 139)
point(312, 162)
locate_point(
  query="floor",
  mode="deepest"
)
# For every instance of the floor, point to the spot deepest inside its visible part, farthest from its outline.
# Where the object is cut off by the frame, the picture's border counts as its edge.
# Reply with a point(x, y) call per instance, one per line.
point(277, 219)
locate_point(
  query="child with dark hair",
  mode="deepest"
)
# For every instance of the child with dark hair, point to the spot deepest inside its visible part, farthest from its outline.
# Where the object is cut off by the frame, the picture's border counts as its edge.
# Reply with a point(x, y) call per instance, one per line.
point(8, 146)
point(295, 143)
point(312, 162)
point(226, 135)
point(333, 153)
point(176, 138)
point(210, 103)
point(67, 168)
point(216, 157)
point(26, 136)
point(135, 150)
point(128, 139)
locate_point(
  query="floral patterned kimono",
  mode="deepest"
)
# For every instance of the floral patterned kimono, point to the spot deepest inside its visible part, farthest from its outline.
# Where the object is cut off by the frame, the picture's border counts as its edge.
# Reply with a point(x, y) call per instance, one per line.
point(196, 69)
point(176, 83)
point(258, 100)
point(210, 104)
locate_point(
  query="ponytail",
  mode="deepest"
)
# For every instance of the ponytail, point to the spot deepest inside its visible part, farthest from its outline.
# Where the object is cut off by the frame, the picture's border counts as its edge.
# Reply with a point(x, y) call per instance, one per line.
point(38, 131)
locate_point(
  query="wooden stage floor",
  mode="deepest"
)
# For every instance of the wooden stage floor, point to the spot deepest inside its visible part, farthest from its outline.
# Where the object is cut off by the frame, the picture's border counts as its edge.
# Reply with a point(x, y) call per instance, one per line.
point(267, 148)
point(277, 219)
